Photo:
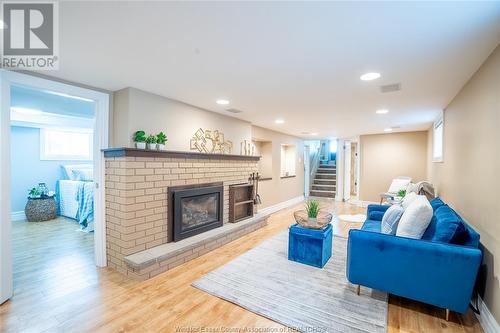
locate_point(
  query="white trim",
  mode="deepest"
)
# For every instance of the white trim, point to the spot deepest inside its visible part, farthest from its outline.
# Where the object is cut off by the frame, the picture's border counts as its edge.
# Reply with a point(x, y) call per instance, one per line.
point(279, 206)
point(18, 216)
point(101, 134)
point(486, 319)
point(6, 286)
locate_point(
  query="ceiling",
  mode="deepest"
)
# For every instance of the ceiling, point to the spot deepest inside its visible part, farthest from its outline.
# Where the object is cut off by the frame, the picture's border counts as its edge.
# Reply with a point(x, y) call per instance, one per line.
point(293, 60)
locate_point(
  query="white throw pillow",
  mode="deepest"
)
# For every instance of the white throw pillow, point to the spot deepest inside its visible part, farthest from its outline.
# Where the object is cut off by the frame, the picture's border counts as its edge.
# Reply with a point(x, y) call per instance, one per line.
point(391, 218)
point(415, 219)
point(68, 169)
point(408, 199)
point(398, 184)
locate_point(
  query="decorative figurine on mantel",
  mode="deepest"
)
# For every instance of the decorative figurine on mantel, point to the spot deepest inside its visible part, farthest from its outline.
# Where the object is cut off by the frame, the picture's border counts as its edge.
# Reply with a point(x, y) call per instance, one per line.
point(206, 141)
point(247, 148)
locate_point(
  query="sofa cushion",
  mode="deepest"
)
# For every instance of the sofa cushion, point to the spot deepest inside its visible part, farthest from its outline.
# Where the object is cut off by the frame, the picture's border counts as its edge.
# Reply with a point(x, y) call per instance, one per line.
point(436, 203)
point(391, 219)
point(376, 215)
point(447, 227)
point(415, 219)
point(371, 225)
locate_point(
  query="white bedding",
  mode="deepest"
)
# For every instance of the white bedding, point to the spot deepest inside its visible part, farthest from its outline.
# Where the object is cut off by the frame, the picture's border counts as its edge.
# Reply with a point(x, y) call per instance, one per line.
point(68, 205)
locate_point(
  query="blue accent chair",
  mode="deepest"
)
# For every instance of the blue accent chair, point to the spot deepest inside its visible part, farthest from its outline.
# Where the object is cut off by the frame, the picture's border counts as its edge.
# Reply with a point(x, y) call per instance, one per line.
point(437, 273)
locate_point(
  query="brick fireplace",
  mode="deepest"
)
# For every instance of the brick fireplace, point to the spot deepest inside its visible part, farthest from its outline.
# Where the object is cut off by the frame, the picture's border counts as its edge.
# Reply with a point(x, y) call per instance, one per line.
point(138, 183)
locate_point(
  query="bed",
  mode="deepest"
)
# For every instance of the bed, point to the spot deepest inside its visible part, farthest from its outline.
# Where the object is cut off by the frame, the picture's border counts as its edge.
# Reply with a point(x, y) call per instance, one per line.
point(75, 196)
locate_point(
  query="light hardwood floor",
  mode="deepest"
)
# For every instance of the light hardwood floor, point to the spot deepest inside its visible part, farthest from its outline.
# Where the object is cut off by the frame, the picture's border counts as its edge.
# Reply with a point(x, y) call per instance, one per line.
point(62, 293)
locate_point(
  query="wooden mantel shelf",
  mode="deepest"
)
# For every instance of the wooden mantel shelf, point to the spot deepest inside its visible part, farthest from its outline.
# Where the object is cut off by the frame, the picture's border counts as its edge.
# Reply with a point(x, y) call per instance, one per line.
point(134, 152)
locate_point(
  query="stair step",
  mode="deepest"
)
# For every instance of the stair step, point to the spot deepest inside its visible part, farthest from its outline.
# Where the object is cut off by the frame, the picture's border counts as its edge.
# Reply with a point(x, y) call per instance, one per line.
point(325, 182)
point(332, 171)
point(325, 176)
point(324, 187)
point(327, 166)
point(319, 193)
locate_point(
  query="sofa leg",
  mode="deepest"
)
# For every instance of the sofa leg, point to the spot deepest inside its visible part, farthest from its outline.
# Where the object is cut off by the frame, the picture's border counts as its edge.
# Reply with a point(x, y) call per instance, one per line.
point(358, 289)
point(447, 315)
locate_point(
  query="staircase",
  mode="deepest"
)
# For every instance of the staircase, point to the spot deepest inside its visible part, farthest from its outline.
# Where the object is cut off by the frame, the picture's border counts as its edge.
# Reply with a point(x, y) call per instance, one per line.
point(325, 181)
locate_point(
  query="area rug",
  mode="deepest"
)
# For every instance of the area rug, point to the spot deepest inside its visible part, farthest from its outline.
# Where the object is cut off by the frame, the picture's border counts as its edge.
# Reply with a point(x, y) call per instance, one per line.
point(301, 297)
point(358, 218)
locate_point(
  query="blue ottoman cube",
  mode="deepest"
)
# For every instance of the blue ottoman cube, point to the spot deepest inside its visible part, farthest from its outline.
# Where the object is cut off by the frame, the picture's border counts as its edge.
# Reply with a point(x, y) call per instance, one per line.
point(309, 246)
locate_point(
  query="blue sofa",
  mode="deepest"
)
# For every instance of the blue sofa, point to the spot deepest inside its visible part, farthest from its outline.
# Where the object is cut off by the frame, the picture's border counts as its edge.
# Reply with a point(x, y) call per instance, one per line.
point(434, 272)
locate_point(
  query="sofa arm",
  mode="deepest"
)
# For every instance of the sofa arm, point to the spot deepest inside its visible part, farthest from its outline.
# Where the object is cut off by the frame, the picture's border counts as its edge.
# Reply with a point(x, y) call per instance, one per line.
point(436, 273)
point(376, 212)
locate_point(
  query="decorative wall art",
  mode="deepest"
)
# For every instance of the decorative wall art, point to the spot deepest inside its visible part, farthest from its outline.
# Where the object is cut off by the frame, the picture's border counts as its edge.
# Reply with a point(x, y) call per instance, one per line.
point(210, 142)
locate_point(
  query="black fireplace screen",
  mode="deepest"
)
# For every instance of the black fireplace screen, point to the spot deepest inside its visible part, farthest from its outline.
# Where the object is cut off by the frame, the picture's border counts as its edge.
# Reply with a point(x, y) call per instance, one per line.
point(196, 210)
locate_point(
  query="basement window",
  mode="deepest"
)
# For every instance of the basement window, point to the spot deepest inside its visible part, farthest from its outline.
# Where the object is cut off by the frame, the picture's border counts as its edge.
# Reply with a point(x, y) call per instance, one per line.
point(62, 145)
point(437, 141)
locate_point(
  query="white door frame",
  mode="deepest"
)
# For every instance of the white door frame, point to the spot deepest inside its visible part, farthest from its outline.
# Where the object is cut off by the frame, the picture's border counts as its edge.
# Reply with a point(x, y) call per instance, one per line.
point(307, 170)
point(101, 135)
point(347, 171)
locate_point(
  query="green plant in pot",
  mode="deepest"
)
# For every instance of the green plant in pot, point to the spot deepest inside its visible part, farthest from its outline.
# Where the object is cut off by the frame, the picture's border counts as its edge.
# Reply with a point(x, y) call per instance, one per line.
point(312, 217)
point(161, 139)
point(140, 139)
point(34, 193)
point(401, 193)
point(151, 142)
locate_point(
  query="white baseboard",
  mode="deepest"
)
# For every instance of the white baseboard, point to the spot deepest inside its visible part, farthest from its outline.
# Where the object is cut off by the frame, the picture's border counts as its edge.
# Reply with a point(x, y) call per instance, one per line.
point(279, 206)
point(18, 216)
point(486, 319)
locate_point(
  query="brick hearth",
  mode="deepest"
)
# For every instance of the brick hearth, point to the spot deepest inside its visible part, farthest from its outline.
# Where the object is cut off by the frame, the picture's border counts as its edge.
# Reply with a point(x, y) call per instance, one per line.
point(136, 194)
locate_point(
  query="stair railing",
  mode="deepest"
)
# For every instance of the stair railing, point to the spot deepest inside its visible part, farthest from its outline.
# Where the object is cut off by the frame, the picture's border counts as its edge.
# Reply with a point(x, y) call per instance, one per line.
point(314, 165)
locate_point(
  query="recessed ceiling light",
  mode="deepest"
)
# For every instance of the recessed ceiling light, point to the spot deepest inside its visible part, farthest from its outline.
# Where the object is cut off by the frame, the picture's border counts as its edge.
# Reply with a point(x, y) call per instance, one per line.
point(314, 133)
point(388, 129)
point(382, 111)
point(370, 76)
point(279, 121)
point(222, 101)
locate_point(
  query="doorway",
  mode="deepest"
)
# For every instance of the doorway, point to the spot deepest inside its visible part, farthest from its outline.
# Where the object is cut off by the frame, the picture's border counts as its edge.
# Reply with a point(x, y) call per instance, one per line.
point(63, 134)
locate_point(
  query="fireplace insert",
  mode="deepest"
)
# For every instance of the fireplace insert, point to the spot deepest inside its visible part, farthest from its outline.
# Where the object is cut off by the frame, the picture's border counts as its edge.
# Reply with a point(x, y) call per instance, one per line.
point(195, 210)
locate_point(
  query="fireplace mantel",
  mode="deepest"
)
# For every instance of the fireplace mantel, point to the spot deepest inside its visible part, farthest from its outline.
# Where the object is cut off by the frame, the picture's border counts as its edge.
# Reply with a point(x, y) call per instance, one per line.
point(134, 152)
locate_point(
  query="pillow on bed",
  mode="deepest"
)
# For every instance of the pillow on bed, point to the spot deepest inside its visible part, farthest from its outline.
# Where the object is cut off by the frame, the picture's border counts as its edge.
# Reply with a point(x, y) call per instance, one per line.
point(83, 174)
point(68, 169)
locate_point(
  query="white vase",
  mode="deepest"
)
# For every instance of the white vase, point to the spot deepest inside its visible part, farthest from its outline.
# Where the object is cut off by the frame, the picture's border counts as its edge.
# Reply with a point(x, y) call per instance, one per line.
point(161, 146)
point(152, 146)
point(140, 145)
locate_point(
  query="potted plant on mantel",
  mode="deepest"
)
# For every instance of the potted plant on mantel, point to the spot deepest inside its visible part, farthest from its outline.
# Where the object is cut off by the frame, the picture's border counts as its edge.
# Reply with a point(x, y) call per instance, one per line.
point(311, 217)
point(140, 139)
point(151, 142)
point(161, 139)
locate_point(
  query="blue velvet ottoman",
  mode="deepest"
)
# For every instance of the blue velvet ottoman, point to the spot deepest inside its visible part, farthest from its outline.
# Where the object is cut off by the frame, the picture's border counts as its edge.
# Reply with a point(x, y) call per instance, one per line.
point(309, 246)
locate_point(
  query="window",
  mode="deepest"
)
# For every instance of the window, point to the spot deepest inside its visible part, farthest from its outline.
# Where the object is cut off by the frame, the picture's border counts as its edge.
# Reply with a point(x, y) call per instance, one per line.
point(437, 141)
point(66, 144)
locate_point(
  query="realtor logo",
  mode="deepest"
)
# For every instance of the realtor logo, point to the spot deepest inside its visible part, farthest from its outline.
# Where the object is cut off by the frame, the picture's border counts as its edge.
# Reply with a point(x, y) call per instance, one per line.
point(30, 35)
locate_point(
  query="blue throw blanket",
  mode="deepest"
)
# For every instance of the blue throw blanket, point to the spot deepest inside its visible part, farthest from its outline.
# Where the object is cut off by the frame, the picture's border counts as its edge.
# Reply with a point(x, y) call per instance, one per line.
point(85, 198)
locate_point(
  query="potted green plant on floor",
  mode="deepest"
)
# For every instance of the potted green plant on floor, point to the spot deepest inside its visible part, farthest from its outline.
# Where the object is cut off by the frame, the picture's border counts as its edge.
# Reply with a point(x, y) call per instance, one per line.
point(140, 139)
point(161, 139)
point(151, 142)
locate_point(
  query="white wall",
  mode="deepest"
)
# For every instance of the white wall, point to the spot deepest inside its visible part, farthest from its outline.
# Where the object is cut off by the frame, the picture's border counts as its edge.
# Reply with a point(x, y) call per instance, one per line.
point(135, 109)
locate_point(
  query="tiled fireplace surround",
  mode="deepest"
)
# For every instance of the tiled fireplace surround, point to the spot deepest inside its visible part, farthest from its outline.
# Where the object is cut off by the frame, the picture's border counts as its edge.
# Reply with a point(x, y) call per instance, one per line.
point(137, 184)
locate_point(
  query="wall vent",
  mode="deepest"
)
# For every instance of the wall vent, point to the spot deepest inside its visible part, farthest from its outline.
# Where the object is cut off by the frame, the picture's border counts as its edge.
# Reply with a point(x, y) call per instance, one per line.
point(234, 110)
point(390, 88)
